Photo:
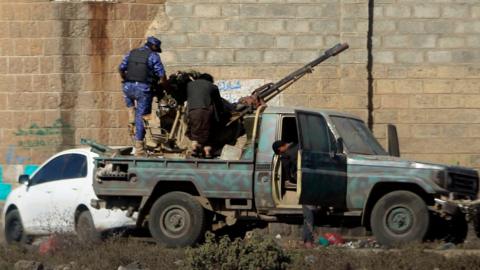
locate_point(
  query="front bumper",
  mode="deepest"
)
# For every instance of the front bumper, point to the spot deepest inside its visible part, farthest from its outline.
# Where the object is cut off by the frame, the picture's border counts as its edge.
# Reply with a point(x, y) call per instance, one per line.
point(449, 208)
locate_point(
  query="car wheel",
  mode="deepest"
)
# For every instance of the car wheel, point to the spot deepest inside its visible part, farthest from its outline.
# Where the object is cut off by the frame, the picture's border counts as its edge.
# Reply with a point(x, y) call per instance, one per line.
point(177, 219)
point(399, 217)
point(85, 228)
point(14, 232)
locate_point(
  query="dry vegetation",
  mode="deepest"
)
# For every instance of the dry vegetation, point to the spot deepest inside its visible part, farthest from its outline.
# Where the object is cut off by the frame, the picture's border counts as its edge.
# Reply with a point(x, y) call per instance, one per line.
point(257, 252)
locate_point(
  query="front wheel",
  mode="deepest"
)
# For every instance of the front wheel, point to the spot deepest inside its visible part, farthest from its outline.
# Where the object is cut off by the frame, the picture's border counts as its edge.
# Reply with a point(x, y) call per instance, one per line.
point(399, 217)
point(177, 219)
point(14, 232)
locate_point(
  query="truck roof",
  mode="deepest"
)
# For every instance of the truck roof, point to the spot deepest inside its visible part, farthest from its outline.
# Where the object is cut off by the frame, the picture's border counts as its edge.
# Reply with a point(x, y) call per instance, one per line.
point(291, 110)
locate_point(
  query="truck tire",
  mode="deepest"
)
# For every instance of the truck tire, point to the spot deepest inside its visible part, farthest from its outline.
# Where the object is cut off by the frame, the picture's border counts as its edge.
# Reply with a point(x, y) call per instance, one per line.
point(399, 217)
point(177, 219)
point(14, 232)
point(85, 228)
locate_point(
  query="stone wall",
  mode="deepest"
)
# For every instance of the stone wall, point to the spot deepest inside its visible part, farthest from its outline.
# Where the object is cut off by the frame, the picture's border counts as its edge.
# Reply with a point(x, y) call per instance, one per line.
point(58, 80)
point(58, 59)
point(427, 77)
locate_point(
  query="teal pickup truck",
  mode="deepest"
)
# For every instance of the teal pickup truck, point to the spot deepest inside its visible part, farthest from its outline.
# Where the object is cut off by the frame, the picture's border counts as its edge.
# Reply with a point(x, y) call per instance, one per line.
point(342, 169)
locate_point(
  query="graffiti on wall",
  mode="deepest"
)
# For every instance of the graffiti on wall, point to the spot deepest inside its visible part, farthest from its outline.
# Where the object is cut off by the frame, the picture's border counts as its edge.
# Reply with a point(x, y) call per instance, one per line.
point(34, 136)
point(43, 136)
point(232, 90)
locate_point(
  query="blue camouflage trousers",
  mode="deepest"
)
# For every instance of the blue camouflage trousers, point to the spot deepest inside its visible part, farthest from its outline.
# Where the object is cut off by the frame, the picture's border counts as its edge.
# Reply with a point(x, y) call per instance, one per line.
point(140, 96)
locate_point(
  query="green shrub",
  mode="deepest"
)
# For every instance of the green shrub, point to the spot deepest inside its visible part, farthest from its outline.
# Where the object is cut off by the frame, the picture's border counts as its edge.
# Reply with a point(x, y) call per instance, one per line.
point(257, 252)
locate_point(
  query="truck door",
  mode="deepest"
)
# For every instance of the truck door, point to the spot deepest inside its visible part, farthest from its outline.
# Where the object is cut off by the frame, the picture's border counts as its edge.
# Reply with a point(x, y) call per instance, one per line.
point(322, 173)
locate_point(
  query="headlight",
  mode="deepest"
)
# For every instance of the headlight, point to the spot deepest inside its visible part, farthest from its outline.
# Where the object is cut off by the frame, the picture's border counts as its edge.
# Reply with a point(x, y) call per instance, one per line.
point(442, 179)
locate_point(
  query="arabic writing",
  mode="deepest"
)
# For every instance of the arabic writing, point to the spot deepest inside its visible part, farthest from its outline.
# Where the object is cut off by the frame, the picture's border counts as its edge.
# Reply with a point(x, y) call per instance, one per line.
point(38, 136)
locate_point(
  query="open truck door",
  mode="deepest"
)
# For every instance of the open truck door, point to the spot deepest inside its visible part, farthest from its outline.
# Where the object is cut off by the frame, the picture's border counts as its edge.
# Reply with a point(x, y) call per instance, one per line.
point(322, 174)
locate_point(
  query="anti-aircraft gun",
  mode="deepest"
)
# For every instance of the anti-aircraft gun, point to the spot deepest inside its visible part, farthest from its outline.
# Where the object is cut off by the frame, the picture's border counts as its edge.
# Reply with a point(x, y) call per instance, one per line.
point(267, 92)
point(167, 134)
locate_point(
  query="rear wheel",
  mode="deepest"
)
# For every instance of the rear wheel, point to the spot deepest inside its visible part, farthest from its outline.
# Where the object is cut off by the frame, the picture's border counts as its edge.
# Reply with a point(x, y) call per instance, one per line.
point(85, 228)
point(14, 232)
point(399, 217)
point(177, 219)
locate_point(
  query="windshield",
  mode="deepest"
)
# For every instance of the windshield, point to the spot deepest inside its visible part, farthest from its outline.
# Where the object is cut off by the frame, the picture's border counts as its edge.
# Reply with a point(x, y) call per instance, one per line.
point(357, 137)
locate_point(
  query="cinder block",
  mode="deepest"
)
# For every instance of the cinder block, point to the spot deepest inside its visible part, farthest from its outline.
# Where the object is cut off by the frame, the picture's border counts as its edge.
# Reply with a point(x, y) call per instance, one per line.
point(284, 42)
point(232, 41)
point(185, 25)
point(455, 11)
point(179, 9)
point(212, 25)
point(438, 86)
point(441, 27)
point(411, 27)
point(248, 56)
point(426, 11)
point(423, 41)
point(220, 56)
point(260, 41)
point(324, 27)
point(271, 27)
point(384, 57)
point(277, 56)
point(241, 25)
point(298, 26)
point(411, 57)
point(451, 42)
point(207, 10)
point(251, 10)
point(203, 40)
point(309, 41)
point(230, 10)
point(439, 56)
point(395, 41)
point(384, 26)
point(397, 11)
point(190, 56)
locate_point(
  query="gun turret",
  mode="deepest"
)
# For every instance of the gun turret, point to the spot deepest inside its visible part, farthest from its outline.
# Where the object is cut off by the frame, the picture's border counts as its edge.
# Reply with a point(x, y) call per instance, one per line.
point(268, 91)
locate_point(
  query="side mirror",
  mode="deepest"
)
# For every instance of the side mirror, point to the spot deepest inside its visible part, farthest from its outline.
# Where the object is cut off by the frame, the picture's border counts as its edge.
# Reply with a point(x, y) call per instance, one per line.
point(24, 179)
point(339, 145)
point(393, 145)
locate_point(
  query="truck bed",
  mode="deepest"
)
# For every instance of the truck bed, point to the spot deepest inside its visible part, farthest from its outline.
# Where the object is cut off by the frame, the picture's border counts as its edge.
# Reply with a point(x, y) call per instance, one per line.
point(131, 176)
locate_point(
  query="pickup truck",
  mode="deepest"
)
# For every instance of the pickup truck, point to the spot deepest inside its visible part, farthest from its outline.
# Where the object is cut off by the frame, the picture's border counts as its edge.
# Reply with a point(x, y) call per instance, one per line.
point(342, 169)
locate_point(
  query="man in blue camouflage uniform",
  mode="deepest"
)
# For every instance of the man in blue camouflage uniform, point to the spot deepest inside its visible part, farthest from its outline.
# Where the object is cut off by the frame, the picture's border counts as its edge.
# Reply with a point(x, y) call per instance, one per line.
point(140, 69)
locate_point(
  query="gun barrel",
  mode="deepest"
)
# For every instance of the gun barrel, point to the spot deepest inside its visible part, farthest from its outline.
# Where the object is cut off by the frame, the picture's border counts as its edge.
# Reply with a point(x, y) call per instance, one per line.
point(96, 146)
point(274, 89)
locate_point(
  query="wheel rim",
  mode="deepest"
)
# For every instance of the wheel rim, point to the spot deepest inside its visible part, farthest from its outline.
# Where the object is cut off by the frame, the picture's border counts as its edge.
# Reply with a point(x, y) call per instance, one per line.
point(15, 230)
point(399, 220)
point(175, 221)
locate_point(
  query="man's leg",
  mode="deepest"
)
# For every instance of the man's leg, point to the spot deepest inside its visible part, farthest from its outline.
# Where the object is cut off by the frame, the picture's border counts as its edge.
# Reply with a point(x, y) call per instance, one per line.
point(144, 107)
point(129, 97)
point(308, 222)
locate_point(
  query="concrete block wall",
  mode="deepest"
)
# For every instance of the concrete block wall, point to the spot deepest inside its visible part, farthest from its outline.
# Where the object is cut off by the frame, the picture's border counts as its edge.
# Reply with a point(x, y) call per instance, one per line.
point(58, 60)
point(427, 81)
point(58, 80)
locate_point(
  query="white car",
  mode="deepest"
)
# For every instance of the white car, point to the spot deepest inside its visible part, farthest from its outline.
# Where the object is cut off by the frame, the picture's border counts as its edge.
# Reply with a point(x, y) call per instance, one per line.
point(56, 199)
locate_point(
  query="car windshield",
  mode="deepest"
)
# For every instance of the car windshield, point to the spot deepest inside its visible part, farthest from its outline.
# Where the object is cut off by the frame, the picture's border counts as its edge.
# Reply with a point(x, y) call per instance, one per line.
point(357, 137)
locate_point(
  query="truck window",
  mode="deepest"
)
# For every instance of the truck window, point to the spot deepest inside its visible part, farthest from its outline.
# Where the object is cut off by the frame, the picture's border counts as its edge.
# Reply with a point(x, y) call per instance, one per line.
point(289, 130)
point(357, 137)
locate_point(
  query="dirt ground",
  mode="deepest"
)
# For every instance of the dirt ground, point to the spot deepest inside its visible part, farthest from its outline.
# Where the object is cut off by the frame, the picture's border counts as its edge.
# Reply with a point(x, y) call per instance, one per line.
point(121, 251)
